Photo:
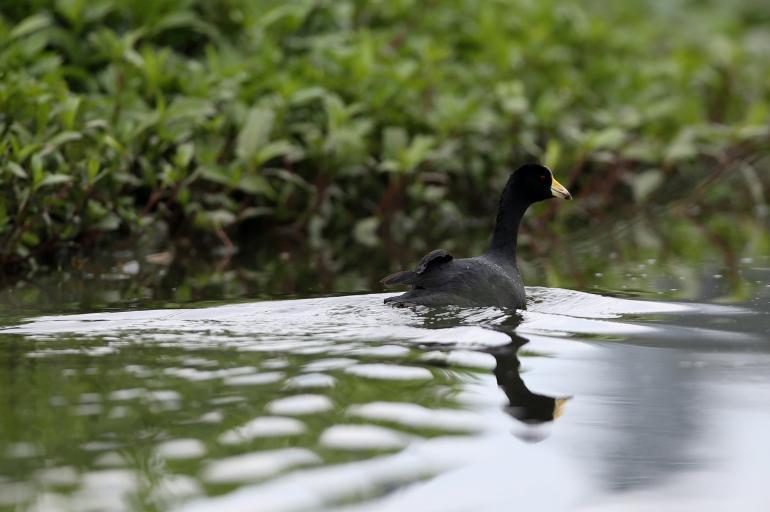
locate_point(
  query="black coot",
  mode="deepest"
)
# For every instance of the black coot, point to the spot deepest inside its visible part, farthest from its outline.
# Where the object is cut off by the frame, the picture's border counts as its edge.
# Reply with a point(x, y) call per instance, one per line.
point(492, 279)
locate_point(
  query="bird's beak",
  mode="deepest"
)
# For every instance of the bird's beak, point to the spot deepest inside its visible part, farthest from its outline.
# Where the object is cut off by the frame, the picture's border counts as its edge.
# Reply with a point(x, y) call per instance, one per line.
point(558, 407)
point(558, 190)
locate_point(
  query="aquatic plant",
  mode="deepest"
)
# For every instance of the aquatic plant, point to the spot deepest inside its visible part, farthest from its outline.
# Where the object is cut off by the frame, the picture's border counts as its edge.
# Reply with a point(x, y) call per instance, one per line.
point(235, 118)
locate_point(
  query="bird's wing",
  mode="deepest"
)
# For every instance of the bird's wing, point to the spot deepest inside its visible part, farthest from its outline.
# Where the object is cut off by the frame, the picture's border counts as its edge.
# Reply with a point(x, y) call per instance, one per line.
point(430, 261)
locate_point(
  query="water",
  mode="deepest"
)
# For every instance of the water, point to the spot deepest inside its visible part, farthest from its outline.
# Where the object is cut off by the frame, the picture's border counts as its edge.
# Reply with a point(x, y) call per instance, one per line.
point(129, 384)
point(581, 402)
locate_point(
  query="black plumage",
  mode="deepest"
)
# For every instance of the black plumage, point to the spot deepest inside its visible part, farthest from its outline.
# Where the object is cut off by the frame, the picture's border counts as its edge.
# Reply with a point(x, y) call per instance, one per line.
point(493, 278)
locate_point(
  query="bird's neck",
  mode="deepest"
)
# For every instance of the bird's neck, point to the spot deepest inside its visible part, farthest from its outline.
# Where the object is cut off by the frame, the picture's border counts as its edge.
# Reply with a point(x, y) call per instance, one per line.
point(506, 233)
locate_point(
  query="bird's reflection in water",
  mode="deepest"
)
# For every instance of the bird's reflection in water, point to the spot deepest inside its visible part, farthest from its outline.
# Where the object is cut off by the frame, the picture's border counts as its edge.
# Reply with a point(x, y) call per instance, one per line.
point(531, 409)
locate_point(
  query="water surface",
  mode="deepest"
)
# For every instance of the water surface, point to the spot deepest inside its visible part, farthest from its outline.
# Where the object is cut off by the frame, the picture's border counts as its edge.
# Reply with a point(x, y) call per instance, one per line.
point(582, 401)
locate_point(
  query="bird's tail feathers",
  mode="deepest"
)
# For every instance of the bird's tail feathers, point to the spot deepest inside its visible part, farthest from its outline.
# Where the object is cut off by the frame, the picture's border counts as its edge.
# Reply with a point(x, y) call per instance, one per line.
point(402, 277)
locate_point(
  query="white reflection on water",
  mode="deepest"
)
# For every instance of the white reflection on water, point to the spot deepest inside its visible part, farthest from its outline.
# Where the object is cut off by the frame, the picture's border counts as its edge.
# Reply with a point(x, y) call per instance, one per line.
point(259, 465)
point(298, 405)
point(181, 449)
point(363, 437)
point(268, 426)
point(389, 372)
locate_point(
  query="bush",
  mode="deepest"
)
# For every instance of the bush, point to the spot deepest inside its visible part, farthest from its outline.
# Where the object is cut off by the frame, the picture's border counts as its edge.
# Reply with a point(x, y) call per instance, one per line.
point(340, 116)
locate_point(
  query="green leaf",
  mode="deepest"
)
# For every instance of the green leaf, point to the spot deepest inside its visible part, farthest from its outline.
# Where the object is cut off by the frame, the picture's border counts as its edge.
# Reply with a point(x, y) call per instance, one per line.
point(683, 147)
point(69, 111)
point(258, 211)
point(110, 222)
point(29, 25)
point(30, 239)
point(184, 154)
point(220, 217)
point(254, 133)
point(394, 141)
point(645, 183)
point(60, 139)
point(112, 142)
point(55, 179)
point(37, 170)
point(365, 232)
point(418, 151)
point(552, 154)
point(257, 185)
point(608, 138)
point(187, 109)
point(214, 174)
point(307, 95)
point(275, 149)
point(92, 169)
point(512, 97)
point(16, 170)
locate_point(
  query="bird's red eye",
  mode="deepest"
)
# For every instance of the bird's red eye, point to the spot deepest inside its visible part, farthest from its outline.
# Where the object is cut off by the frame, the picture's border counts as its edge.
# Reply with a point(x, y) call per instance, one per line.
point(542, 178)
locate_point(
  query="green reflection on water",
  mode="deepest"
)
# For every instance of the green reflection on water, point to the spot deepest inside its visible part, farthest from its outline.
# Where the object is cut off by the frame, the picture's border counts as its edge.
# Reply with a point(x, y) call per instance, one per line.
point(65, 403)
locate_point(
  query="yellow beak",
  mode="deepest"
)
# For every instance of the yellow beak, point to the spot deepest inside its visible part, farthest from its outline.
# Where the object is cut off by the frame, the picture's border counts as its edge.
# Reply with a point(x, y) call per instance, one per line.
point(558, 407)
point(558, 190)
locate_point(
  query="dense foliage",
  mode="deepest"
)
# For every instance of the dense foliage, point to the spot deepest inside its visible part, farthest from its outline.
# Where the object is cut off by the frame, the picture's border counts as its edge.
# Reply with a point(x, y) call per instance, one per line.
point(326, 117)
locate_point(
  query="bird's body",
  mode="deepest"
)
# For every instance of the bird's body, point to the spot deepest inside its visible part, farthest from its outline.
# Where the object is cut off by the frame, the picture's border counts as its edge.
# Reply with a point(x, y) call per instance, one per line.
point(493, 278)
point(484, 280)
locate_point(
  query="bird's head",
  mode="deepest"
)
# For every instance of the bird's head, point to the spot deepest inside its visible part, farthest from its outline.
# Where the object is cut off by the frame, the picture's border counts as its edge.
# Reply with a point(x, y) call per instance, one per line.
point(535, 182)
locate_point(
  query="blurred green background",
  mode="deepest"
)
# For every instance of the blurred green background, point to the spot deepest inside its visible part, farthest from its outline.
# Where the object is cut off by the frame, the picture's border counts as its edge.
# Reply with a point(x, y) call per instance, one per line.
point(280, 144)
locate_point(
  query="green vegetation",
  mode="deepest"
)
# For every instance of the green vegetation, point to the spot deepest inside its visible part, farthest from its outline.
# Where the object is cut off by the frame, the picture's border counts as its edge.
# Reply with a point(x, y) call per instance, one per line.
point(326, 117)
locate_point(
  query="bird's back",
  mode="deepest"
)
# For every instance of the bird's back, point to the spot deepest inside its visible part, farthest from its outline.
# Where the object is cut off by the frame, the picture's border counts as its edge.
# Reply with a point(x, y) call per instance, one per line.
point(478, 281)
